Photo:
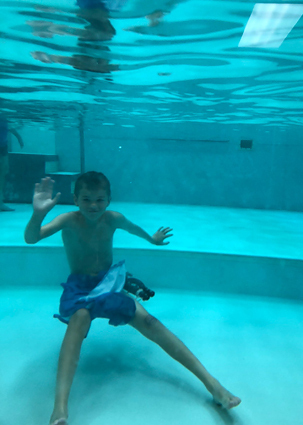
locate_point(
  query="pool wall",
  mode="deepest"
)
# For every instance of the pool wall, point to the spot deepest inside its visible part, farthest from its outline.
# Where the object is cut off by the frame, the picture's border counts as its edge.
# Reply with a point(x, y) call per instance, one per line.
point(160, 164)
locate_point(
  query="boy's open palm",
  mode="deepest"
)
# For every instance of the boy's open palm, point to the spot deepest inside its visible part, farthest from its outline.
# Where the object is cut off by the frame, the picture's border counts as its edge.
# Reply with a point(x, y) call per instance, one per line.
point(161, 235)
point(42, 201)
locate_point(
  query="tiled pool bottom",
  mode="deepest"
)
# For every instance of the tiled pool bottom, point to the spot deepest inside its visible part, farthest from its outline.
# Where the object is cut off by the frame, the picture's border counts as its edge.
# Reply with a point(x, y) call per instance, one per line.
point(252, 345)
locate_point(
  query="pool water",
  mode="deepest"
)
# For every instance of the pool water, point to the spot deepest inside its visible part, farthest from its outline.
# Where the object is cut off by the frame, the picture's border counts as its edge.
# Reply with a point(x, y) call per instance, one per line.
point(198, 126)
point(252, 344)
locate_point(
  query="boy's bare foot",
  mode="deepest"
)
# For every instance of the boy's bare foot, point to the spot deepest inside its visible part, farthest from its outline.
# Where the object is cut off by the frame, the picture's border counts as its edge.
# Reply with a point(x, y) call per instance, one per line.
point(59, 417)
point(61, 421)
point(6, 208)
point(223, 397)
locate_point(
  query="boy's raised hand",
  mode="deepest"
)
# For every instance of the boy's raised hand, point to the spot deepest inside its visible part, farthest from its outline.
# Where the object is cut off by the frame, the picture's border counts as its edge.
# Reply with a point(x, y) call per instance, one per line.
point(42, 200)
point(161, 235)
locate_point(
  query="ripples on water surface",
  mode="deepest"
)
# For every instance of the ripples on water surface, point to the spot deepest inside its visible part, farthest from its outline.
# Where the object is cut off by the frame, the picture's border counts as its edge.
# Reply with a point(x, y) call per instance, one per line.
point(154, 61)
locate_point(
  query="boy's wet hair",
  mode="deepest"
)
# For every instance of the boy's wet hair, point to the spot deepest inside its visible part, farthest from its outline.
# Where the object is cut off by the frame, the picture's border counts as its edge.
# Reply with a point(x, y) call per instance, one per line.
point(92, 180)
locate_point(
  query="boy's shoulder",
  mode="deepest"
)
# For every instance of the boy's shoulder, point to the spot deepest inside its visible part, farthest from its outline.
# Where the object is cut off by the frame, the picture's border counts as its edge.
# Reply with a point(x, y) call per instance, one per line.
point(113, 214)
point(68, 218)
point(112, 217)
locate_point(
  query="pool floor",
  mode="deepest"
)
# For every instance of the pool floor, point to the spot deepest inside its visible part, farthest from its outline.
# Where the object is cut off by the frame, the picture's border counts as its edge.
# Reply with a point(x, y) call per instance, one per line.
point(253, 345)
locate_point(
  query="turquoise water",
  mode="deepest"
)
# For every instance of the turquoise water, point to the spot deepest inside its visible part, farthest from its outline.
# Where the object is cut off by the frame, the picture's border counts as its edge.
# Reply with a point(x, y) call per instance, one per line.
point(168, 62)
point(193, 110)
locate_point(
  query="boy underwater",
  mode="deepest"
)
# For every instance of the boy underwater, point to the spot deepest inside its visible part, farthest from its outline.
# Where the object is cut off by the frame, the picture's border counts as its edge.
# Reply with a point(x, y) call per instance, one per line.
point(95, 288)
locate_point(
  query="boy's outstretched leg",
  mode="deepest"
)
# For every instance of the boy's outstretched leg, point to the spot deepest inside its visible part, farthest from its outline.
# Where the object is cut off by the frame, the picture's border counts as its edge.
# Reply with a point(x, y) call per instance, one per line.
point(154, 330)
point(68, 360)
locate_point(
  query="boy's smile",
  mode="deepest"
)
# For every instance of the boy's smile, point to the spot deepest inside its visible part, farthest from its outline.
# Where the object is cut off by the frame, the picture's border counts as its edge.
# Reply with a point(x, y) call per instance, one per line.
point(92, 203)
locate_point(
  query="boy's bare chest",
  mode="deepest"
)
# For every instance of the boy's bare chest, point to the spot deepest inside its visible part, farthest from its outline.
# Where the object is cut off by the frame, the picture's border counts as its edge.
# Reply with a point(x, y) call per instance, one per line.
point(87, 239)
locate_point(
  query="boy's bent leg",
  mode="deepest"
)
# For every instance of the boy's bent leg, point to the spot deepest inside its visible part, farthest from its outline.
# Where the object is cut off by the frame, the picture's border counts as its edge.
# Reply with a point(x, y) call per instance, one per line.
point(68, 360)
point(154, 330)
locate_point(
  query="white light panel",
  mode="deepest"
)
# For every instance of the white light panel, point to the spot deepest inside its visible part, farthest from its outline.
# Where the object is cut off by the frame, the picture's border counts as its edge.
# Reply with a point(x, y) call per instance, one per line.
point(269, 24)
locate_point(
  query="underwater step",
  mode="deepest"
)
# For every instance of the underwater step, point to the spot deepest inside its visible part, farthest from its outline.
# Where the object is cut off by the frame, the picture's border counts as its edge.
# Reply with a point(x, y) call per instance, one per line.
point(65, 183)
point(34, 167)
point(176, 270)
point(51, 166)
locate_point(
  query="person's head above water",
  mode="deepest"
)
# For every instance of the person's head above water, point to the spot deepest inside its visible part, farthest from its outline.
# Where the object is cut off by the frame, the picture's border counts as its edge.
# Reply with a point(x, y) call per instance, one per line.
point(92, 180)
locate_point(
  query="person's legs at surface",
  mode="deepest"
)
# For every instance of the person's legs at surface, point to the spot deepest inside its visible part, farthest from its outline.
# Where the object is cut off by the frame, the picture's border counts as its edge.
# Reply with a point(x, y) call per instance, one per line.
point(3, 173)
point(68, 360)
point(154, 330)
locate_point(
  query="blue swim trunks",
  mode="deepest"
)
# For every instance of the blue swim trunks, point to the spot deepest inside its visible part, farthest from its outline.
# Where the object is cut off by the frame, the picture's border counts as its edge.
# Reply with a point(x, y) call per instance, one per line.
point(101, 295)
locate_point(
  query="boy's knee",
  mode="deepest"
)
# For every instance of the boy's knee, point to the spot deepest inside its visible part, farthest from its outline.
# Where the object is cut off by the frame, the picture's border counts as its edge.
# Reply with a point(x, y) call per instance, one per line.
point(81, 318)
point(151, 321)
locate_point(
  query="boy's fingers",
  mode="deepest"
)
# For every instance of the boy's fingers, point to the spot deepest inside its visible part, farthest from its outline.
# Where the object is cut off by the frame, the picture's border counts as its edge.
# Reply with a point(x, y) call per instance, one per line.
point(43, 184)
point(56, 198)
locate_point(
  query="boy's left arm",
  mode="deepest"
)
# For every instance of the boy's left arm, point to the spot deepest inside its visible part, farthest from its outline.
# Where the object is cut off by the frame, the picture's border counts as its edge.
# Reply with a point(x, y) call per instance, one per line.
point(158, 238)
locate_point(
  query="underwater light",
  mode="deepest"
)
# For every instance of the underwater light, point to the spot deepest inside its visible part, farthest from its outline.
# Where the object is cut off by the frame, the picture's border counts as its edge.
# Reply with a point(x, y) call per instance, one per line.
point(269, 24)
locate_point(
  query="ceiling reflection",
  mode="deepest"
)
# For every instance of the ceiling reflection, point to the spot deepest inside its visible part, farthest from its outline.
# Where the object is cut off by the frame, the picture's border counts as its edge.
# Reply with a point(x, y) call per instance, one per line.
point(174, 61)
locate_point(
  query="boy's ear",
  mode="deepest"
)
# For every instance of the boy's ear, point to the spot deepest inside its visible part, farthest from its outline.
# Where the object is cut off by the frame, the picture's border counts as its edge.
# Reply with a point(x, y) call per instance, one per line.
point(75, 200)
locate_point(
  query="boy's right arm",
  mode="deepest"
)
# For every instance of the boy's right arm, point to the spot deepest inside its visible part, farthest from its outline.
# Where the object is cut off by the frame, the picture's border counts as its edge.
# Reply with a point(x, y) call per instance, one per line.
point(34, 232)
point(42, 204)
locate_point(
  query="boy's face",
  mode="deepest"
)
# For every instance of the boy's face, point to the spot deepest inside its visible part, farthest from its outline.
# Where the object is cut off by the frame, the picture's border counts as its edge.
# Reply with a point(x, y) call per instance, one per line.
point(92, 203)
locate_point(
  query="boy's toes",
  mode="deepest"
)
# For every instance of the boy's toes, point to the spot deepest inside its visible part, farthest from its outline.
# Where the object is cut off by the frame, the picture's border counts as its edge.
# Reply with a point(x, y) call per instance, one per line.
point(61, 421)
point(228, 403)
point(234, 402)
